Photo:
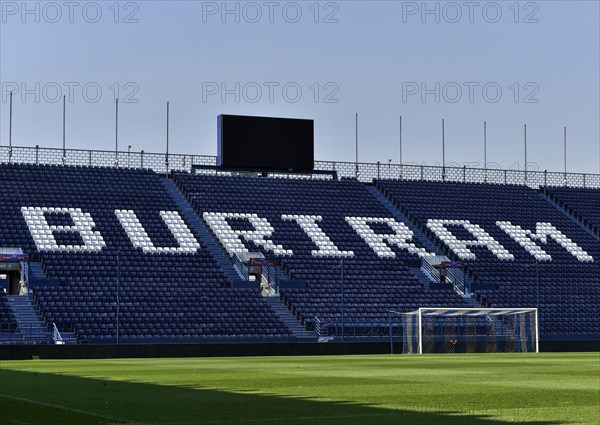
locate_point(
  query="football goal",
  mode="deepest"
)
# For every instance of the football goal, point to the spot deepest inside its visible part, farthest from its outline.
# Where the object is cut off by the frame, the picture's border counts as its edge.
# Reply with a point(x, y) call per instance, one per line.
point(470, 330)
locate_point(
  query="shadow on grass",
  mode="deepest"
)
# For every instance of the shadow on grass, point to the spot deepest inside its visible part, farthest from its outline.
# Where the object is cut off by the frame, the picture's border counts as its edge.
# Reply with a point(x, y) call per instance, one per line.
point(28, 398)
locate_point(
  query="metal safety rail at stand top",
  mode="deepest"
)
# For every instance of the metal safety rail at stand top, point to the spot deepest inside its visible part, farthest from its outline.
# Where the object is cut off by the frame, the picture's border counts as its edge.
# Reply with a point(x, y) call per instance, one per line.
point(365, 172)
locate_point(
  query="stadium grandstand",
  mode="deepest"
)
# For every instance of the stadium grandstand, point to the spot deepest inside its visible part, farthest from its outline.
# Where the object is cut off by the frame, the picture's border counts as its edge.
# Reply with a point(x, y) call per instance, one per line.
point(102, 248)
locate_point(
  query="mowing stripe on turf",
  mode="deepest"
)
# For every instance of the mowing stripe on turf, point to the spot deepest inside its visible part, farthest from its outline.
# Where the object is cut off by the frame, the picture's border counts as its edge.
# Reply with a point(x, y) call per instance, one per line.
point(217, 421)
point(281, 418)
point(72, 410)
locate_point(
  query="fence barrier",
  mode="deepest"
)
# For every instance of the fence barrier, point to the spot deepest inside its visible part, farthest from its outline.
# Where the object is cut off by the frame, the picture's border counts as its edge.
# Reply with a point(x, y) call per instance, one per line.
point(365, 172)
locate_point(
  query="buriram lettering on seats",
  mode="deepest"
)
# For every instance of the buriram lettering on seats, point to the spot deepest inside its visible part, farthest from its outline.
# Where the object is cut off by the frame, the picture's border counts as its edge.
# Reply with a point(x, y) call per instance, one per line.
point(543, 231)
point(263, 230)
point(525, 238)
point(83, 224)
point(380, 243)
point(140, 239)
point(461, 247)
point(233, 240)
point(43, 233)
point(308, 223)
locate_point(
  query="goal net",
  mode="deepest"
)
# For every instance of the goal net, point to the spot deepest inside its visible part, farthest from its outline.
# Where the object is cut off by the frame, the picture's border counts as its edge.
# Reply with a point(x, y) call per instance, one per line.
point(470, 330)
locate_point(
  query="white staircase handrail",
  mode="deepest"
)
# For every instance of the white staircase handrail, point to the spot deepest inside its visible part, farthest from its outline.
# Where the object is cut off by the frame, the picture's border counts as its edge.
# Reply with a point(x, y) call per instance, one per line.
point(56, 336)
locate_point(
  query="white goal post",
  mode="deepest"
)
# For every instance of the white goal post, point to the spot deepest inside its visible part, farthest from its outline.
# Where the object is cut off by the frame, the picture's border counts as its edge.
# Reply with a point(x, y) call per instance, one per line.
point(469, 330)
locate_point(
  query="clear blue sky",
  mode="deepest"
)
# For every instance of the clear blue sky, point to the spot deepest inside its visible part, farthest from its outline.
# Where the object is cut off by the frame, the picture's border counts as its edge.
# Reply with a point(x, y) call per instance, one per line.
point(371, 58)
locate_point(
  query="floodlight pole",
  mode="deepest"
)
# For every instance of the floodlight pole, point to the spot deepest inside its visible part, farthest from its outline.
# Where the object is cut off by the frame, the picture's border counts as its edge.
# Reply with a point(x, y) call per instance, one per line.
point(565, 151)
point(64, 158)
point(10, 129)
point(117, 132)
point(167, 155)
point(537, 282)
point(420, 322)
point(356, 141)
point(400, 146)
point(537, 296)
point(391, 337)
point(276, 280)
point(343, 300)
point(118, 291)
point(537, 332)
point(443, 152)
point(485, 152)
point(525, 141)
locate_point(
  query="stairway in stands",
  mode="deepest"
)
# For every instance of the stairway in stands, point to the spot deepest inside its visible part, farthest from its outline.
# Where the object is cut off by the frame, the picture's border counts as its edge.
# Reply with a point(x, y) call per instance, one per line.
point(231, 273)
point(201, 229)
point(422, 277)
point(207, 237)
point(417, 234)
point(35, 271)
point(31, 326)
point(499, 327)
point(473, 303)
point(552, 201)
point(37, 276)
point(399, 215)
point(289, 320)
point(68, 337)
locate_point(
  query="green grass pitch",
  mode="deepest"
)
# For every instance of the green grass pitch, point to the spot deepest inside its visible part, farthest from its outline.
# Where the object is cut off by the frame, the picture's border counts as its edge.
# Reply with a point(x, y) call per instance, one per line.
point(487, 389)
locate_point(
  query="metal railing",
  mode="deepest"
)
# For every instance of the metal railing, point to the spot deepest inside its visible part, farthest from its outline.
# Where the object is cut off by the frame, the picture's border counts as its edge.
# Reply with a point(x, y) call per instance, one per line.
point(240, 266)
point(457, 280)
point(318, 328)
point(325, 330)
point(270, 273)
point(99, 158)
point(352, 329)
point(364, 172)
point(429, 270)
point(56, 335)
point(454, 276)
point(11, 332)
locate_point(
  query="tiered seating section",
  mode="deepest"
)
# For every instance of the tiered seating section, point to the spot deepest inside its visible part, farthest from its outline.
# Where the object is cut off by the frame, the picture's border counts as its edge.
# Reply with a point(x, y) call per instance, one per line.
point(373, 284)
point(161, 312)
point(581, 203)
point(167, 290)
point(135, 247)
point(8, 324)
point(569, 287)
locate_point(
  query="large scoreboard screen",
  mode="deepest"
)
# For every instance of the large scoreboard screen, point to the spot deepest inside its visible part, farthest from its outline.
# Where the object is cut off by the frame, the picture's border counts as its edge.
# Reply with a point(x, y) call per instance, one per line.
point(265, 143)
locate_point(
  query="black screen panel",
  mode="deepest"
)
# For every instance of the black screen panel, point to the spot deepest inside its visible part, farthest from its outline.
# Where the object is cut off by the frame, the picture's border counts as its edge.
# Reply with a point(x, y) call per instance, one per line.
point(265, 143)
